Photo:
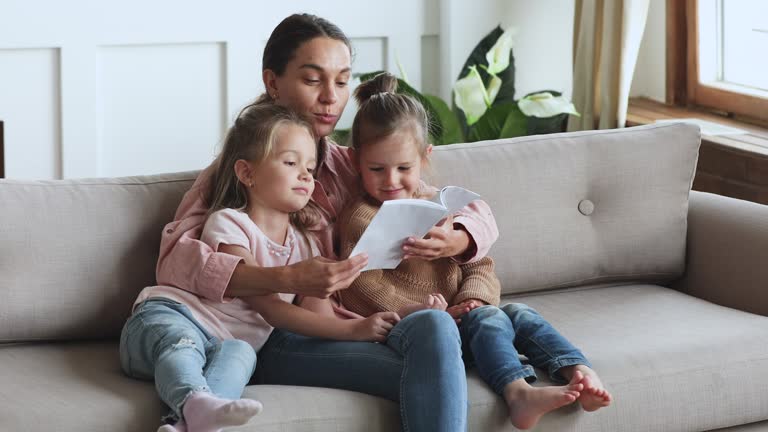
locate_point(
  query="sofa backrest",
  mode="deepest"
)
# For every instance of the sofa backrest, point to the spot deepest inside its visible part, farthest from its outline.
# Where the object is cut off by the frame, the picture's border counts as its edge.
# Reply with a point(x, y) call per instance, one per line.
point(582, 208)
point(74, 254)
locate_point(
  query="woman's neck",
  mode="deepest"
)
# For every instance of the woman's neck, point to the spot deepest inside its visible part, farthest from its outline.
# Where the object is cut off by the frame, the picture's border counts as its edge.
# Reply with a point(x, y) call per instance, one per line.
point(273, 223)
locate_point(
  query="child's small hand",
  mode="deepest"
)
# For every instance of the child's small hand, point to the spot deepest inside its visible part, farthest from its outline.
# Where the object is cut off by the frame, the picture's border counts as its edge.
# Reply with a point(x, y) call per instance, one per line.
point(442, 241)
point(437, 301)
point(473, 303)
point(375, 328)
point(456, 311)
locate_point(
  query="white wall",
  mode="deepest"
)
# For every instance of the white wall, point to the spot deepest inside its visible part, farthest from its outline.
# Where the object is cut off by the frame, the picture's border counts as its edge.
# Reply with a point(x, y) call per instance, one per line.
point(650, 71)
point(91, 89)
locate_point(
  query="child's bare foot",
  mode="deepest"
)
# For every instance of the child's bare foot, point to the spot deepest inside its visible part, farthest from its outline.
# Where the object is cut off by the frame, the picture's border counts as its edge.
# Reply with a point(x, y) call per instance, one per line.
point(527, 404)
point(594, 396)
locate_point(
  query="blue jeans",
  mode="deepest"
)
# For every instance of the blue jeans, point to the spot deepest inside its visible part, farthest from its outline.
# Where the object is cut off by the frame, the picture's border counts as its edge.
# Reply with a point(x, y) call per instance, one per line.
point(494, 337)
point(162, 341)
point(419, 366)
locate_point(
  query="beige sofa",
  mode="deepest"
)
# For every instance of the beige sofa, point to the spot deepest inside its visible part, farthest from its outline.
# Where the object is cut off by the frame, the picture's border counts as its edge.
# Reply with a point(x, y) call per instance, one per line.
point(664, 290)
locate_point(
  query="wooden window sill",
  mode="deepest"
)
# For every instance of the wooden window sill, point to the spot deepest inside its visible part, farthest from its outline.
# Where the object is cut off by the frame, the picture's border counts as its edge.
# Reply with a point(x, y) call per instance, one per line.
point(730, 165)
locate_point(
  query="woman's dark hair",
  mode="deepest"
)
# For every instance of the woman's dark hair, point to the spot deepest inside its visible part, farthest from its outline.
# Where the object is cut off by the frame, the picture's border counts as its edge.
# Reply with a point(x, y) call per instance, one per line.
point(293, 31)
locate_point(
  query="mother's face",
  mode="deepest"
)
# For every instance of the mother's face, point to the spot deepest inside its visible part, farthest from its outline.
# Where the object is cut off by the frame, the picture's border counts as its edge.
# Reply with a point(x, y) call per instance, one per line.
point(315, 82)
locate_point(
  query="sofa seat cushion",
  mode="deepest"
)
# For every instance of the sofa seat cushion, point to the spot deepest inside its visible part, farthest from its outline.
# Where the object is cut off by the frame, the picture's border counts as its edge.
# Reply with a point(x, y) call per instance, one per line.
point(673, 363)
point(80, 387)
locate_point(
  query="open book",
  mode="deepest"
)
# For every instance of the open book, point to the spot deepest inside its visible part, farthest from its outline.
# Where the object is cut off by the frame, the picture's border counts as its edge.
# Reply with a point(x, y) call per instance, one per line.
point(399, 219)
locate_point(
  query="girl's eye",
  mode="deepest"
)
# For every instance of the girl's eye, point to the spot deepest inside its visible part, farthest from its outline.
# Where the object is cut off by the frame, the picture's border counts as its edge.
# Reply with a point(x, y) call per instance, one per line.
point(289, 163)
point(375, 169)
point(312, 81)
point(341, 83)
point(404, 168)
point(311, 170)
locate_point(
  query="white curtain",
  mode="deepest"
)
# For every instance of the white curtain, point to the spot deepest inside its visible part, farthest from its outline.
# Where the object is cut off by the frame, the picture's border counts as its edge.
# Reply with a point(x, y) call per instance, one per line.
point(607, 36)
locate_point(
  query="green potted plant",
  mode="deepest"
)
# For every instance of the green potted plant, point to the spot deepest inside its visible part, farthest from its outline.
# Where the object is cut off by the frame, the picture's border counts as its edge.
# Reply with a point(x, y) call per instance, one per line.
point(483, 105)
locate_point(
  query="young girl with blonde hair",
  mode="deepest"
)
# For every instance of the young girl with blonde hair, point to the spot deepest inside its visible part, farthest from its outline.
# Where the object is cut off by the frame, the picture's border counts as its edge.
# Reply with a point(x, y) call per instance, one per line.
point(390, 139)
point(202, 353)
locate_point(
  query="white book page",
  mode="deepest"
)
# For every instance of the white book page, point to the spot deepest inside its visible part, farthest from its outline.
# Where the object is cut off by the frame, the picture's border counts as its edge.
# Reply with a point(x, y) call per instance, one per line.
point(396, 221)
point(455, 198)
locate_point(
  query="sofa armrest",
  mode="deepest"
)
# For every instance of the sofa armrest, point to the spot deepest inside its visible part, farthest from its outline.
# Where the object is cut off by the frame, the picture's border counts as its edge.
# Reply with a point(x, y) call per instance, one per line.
point(727, 252)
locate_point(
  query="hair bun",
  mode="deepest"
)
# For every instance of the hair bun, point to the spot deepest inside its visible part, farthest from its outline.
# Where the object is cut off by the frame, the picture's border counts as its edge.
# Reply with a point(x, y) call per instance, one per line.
point(382, 83)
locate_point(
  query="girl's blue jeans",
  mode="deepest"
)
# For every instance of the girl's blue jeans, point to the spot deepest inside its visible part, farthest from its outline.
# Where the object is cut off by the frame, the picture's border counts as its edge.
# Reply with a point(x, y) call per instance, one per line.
point(162, 341)
point(419, 366)
point(494, 337)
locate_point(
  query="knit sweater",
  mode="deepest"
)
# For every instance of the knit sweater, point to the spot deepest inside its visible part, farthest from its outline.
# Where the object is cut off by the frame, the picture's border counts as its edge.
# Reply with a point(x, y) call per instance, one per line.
point(413, 280)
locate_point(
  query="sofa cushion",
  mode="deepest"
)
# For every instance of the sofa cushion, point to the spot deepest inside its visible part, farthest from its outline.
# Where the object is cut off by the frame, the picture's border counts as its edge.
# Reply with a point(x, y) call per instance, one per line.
point(74, 254)
point(582, 207)
point(674, 363)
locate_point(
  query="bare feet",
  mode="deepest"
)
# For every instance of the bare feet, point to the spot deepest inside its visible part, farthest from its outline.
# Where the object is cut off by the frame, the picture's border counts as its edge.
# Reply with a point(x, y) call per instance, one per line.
point(527, 404)
point(594, 396)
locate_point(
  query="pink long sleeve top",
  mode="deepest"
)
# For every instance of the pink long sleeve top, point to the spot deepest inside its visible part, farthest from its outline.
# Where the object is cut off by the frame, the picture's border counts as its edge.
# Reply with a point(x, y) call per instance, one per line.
point(186, 262)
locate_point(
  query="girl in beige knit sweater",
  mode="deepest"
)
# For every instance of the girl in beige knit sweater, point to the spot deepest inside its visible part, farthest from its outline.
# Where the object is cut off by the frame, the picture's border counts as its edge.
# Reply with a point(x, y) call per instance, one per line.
point(390, 140)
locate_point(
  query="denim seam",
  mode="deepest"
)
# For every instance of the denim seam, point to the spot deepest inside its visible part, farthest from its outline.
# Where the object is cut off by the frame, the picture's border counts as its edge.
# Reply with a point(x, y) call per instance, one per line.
point(404, 343)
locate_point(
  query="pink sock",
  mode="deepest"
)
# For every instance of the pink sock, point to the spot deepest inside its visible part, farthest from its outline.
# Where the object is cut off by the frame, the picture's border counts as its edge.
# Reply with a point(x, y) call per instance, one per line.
point(204, 412)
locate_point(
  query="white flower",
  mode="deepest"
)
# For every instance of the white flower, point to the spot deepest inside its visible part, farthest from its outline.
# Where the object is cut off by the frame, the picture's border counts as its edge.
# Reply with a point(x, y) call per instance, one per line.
point(498, 56)
point(545, 105)
point(470, 95)
point(493, 89)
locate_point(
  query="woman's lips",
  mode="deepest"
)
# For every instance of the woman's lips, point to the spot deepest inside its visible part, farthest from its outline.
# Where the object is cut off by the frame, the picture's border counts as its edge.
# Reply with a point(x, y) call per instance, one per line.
point(303, 191)
point(326, 118)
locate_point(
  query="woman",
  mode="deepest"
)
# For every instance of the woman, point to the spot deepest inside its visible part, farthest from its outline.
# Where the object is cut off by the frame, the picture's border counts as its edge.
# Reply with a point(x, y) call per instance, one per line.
point(306, 66)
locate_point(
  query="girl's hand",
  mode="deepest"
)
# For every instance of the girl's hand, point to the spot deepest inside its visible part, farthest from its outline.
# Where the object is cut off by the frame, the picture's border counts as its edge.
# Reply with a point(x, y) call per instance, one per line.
point(434, 301)
point(437, 301)
point(442, 241)
point(375, 328)
point(473, 303)
point(456, 311)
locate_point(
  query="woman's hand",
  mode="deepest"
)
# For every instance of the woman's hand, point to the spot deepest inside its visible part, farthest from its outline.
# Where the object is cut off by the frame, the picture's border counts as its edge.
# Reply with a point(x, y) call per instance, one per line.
point(320, 277)
point(375, 328)
point(442, 241)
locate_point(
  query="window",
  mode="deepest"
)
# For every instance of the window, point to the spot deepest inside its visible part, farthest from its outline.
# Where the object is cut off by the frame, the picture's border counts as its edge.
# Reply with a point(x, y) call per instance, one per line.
point(717, 55)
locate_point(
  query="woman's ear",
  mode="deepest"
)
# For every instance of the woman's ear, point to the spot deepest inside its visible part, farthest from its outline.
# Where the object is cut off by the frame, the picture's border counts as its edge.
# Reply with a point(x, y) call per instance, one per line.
point(243, 171)
point(270, 82)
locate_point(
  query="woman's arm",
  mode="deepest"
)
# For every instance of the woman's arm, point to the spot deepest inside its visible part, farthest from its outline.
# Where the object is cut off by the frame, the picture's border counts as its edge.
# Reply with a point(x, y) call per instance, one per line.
point(186, 262)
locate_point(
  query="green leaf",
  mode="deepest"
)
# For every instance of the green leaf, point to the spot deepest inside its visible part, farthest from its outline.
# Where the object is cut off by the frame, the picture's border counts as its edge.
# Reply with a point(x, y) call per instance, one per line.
point(547, 125)
point(452, 131)
point(502, 121)
point(516, 123)
point(341, 137)
point(436, 129)
point(491, 124)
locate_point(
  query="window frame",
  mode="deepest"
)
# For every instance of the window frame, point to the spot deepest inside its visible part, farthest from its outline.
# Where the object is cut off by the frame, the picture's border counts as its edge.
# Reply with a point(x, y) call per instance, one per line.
point(683, 85)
